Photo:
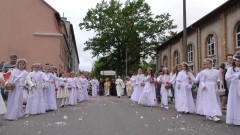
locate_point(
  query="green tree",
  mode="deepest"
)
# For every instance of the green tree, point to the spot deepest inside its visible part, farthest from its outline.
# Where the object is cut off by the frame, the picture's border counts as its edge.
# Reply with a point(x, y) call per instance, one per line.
point(125, 28)
point(144, 65)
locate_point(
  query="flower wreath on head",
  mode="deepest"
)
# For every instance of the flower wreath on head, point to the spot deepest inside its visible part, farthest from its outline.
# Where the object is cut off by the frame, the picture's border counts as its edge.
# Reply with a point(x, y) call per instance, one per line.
point(150, 68)
point(24, 60)
point(185, 63)
point(165, 68)
point(208, 59)
point(235, 57)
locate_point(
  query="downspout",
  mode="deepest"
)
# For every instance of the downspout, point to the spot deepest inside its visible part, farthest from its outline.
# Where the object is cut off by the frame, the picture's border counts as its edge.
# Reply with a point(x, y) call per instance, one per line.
point(198, 64)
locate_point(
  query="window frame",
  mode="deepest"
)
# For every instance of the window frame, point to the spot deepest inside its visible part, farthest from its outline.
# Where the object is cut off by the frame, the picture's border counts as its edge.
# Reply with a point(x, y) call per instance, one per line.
point(211, 46)
point(190, 53)
point(165, 61)
point(176, 58)
point(237, 34)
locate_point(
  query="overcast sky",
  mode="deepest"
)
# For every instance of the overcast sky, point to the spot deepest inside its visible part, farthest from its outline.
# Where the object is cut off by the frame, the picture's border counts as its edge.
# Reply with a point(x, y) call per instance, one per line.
point(75, 11)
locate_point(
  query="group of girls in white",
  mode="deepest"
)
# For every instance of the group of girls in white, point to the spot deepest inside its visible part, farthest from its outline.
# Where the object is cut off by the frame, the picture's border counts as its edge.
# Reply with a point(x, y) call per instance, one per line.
point(144, 92)
point(72, 88)
point(208, 80)
point(42, 96)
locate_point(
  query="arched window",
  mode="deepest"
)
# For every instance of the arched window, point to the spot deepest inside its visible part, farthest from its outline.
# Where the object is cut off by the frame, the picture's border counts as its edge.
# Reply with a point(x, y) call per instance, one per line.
point(190, 53)
point(176, 58)
point(211, 45)
point(165, 61)
point(238, 36)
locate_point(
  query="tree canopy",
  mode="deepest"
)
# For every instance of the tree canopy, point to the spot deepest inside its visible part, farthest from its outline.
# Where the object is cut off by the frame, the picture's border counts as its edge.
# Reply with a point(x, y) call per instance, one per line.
point(129, 28)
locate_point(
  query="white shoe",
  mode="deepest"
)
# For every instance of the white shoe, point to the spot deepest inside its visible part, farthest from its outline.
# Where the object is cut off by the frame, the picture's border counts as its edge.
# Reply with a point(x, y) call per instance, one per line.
point(166, 107)
point(209, 117)
point(216, 119)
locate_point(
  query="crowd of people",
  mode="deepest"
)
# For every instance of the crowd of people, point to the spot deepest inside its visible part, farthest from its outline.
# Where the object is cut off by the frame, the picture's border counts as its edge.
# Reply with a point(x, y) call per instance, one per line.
point(217, 90)
point(36, 91)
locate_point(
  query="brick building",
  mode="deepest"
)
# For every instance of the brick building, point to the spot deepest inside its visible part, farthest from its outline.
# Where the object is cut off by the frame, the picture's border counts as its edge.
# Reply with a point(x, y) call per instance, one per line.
point(213, 36)
point(33, 30)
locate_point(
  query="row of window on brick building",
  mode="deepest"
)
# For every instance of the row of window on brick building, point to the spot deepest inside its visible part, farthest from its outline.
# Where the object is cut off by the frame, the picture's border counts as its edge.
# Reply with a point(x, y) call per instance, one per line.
point(211, 50)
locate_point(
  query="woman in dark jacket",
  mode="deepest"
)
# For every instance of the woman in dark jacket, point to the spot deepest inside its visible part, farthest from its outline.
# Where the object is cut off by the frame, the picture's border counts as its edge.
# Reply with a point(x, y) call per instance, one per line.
point(113, 91)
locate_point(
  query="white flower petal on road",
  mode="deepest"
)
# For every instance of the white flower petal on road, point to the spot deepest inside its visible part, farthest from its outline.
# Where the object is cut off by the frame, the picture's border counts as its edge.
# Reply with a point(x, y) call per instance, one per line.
point(163, 118)
point(159, 120)
point(39, 132)
point(146, 125)
point(80, 119)
point(26, 123)
point(60, 123)
point(141, 117)
point(65, 117)
point(182, 128)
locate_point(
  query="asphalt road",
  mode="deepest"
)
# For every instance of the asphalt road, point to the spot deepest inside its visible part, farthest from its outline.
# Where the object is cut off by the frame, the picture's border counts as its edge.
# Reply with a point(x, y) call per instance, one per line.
point(113, 116)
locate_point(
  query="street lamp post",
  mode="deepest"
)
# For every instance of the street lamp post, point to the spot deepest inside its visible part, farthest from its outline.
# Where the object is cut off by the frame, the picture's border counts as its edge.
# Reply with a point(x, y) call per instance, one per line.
point(126, 60)
point(184, 47)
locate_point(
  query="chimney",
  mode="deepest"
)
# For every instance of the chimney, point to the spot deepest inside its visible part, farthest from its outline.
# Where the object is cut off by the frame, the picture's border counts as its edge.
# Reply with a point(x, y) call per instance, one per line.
point(64, 19)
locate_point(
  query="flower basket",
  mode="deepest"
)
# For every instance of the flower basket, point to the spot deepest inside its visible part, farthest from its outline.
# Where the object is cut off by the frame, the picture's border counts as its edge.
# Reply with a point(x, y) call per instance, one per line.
point(142, 84)
point(9, 86)
point(220, 90)
point(167, 86)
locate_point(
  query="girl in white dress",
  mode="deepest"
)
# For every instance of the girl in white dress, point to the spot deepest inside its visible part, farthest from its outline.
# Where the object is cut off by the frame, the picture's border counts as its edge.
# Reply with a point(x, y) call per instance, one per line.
point(184, 82)
point(173, 82)
point(139, 85)
point(36, 101)
point(148, 96)
point(172, 75)
point(199, 102)
point(62, 92)
point(119, 86)
point(210, 100)
point(233, 75)
point(133, 83)
point(49, 90)
point(80, 82)
point(129, 87)
point(3, 108)
point(165, 87)
point(85, 86)
point(15, 95)
point(95, 86)
point(72, 84)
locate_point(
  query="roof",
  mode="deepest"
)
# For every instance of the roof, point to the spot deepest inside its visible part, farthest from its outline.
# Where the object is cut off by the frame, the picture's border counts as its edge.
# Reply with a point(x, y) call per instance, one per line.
point(49, 6)
point(69, 28)
point(215, 12)
point(57, 15)
point(74, 41)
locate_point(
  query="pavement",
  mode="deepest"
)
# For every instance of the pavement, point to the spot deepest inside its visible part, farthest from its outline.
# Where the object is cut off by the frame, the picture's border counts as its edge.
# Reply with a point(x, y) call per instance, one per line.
point(115, 116)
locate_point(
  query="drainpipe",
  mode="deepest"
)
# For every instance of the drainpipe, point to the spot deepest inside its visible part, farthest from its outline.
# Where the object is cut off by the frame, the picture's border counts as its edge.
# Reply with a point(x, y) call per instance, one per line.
point(197, 49)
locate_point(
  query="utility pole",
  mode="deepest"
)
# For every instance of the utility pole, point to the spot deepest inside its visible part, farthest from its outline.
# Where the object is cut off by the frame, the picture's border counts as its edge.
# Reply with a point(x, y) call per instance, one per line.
point(184, 47)
point(126, 60)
